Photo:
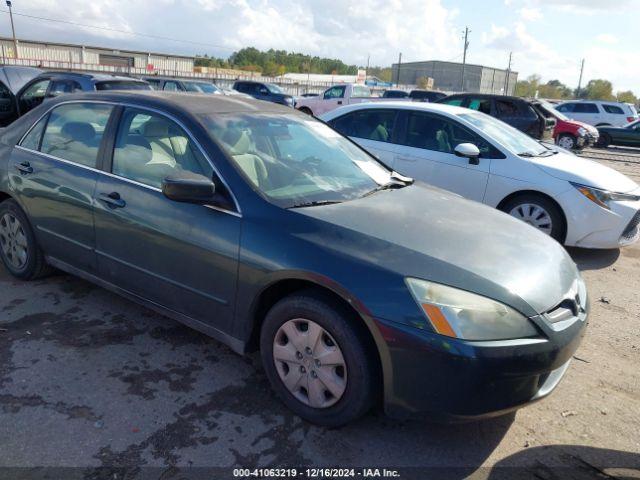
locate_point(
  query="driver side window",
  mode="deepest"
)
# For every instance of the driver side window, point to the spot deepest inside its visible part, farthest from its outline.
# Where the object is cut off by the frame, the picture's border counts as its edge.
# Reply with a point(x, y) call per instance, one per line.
point(33, 96)
point(150, 147)
point(334, 92)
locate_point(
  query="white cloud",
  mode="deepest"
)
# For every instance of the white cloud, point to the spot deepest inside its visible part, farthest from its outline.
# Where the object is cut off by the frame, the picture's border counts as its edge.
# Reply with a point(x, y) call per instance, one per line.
point(607, 38)
point(530, 14)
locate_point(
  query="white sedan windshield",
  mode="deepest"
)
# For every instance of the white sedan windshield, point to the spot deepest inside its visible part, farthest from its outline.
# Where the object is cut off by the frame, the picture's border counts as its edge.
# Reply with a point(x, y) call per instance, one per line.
point(296, 161)
point(512, 139)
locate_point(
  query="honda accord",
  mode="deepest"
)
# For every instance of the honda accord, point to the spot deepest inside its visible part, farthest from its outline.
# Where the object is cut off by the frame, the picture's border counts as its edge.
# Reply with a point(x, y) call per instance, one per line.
point(266, 229)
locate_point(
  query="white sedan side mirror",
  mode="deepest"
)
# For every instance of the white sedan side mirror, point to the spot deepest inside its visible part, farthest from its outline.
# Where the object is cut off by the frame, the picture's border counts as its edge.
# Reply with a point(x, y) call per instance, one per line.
point(468, 150)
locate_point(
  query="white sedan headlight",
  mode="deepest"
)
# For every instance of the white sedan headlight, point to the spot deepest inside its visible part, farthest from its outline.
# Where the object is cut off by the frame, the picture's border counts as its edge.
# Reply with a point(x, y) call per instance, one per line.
point(461, 314)
point(603, 198)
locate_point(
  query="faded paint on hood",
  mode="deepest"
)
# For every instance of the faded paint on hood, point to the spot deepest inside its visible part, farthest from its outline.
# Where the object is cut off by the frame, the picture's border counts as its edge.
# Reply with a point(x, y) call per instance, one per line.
point(424, 232)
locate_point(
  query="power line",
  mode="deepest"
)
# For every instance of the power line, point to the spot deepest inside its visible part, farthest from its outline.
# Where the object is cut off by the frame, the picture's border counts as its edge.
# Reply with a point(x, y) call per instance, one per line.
point(116, 30)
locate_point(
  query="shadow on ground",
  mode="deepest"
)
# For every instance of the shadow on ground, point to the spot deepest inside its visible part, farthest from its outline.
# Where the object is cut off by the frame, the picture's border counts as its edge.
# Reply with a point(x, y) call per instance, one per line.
point(91, 380)
point(593, 259)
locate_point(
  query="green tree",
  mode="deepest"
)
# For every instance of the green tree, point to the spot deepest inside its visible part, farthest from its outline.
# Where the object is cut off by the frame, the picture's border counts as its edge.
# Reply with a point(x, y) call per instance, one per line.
point(528, 87)
point(627, 97)
point(423, 83)
point(599, 89)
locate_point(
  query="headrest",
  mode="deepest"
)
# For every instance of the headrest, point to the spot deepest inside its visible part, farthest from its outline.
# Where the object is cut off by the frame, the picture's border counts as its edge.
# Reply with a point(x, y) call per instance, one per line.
point(79, 132)
point(238, 141)
point(156, 128)
point(138, 149)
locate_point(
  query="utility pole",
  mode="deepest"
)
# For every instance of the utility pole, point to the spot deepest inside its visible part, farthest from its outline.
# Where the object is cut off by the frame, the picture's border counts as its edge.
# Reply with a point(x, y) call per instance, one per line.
point(13, 31)
point(464, 57)
point(399, 63)
point(366, 72)
point(506, 78)
point(580, 79)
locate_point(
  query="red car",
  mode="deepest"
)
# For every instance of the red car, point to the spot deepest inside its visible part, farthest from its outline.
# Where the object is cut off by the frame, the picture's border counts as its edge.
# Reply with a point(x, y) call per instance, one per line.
point(569, 134)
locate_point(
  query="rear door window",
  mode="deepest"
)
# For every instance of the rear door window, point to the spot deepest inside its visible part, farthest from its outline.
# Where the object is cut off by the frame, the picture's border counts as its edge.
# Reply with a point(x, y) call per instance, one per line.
point(334, 92)
point(60, 87)
point(585, 108)
point(566, 108)
point(506, 108)
point(376, 125)
point(74, 132)
point(457, 102)
point(481, 104)
point(171, 86)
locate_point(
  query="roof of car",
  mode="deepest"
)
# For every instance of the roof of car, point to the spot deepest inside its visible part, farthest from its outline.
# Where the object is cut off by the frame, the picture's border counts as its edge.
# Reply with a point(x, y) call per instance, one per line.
point(99, 77)
point(194, 103)
point(486, 95)
point(158, 77)
point(399, 104)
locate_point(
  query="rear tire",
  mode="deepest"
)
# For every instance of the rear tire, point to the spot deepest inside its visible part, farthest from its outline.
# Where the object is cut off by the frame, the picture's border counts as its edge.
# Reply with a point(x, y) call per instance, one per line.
point(538, 211)
point(306, 110)
point(19, 250)
point(568, 141)
point(303, 329)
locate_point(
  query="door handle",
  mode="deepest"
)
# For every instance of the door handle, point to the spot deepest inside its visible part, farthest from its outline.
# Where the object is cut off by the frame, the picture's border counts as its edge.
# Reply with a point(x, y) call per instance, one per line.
point(112, 200)
point(405, 159)
point(24, 168)
point(339, 102)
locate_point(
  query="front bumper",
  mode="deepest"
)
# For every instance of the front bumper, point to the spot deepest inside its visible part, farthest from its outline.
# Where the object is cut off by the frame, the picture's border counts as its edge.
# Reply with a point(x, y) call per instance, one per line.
point(446, 379)
point(587, 140)
point(591, 226)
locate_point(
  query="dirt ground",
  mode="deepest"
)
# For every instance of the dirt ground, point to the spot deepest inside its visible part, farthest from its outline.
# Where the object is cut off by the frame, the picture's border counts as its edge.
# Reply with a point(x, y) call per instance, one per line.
point(88, 379)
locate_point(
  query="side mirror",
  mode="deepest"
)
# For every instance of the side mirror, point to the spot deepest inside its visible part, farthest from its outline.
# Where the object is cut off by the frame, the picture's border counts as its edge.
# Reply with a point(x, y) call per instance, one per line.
point(189, 188)
point(468, 150)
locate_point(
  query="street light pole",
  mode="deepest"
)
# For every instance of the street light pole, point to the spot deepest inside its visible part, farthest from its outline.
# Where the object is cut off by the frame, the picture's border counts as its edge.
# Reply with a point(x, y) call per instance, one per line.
point(464, 57)
point(13, 31)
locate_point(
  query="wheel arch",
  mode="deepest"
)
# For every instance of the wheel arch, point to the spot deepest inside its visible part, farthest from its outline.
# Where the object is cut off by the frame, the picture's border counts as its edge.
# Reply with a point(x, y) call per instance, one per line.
point(519, 193)
point(359, 314)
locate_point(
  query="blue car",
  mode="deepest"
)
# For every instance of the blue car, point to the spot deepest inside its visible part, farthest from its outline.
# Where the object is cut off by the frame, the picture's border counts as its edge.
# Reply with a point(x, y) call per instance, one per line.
point(266, 229)
point(264, 91)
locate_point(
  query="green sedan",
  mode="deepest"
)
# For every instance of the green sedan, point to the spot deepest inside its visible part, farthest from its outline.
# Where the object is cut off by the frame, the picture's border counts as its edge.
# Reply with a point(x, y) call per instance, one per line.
point(627, 136)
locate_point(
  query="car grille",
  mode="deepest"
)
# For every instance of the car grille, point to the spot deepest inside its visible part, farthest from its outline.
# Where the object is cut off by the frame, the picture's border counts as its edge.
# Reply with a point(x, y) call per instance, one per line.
point(631, 232)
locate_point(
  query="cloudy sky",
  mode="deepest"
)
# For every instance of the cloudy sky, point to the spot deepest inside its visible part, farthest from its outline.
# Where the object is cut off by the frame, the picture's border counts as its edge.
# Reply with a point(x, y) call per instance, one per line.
point(548, 37)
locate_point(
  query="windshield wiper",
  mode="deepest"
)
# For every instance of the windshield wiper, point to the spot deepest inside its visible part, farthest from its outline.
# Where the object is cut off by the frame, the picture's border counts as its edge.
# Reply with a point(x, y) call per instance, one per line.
point(315, 203)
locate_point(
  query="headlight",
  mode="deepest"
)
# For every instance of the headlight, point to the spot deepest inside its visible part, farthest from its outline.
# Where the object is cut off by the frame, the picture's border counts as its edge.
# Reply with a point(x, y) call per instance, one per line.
point(461, 314)
point(582, 131)
point(603, 197)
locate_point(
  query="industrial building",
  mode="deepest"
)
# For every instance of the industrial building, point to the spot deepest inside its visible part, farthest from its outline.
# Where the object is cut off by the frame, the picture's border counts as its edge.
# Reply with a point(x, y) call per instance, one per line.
point(64, 56)
point(447, 77)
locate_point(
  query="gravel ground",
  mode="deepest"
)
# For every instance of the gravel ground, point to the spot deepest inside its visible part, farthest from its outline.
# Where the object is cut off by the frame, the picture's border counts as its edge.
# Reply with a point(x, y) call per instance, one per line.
point(91, 381)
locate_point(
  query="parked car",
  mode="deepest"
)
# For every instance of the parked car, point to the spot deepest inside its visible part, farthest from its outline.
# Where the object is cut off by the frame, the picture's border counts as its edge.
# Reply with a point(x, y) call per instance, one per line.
point(264, 91)
point(53, 84)
point(12, 79)
point(426, 95)
point(265, 228)
point(517, 112)
point(569, 134)
point(574, 200)
point(627, 136)
point(599, 113)
point(395, 94)
point(182, 85)
point(333, 97)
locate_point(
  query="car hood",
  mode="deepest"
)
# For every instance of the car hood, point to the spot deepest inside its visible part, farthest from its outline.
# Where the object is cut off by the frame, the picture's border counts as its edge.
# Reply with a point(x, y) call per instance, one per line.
point(570, 167)
point(424, 232)
point(586, 126)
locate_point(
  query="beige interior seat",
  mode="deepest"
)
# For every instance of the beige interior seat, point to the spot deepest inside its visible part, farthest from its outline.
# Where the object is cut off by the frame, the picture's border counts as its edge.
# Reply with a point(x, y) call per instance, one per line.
point(156, 131)
point(239, 146)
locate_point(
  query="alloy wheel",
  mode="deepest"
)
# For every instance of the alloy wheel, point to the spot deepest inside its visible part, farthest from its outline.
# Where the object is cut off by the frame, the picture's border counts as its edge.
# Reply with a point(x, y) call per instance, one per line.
point(310, 363)
point(534, 215)
point(566, 142)
point(13, 241)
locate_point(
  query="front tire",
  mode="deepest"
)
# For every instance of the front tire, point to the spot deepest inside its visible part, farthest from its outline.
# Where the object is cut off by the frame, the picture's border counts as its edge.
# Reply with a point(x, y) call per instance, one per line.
point(567, 141)
point(306, 110)
point(538, 211)
point(603, 141)
point(316, 360)
point(19, 250)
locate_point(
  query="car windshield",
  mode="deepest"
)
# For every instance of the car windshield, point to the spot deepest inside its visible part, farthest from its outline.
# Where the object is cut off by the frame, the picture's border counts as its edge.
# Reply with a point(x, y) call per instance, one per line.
point(201, 87)
point(296, 161)
point(122, 85)
point(274, 88)
point(551, 110)
point(509, 137)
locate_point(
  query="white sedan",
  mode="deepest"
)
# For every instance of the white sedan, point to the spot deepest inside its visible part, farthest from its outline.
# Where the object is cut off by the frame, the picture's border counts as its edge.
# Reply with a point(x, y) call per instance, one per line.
point(577, 201)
